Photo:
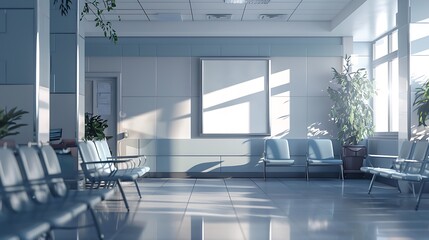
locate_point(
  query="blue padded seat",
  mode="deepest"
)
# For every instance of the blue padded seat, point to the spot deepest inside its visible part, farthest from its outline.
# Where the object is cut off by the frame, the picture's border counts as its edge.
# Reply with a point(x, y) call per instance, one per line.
point(276, 153)
point(321, 153)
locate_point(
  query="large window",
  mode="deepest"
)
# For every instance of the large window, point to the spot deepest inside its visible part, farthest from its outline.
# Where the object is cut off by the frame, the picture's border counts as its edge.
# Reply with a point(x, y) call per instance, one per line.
point(385, 63)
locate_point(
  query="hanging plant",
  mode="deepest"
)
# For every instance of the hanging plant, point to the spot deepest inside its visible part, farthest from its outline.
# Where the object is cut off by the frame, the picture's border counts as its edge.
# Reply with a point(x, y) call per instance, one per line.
point(97, 8)
point(351, 110)
point(8, 122)
point(94, 127)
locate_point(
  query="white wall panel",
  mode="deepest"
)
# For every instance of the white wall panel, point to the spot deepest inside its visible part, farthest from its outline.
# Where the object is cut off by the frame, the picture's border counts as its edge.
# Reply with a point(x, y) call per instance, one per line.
point(139, 117)
point(288, 118)
point(61, 116)
point(318, 123)
point(139, 76)
point(173, 76)
point(319, 74)
point(174, 117)
point(187, 164)
point(288, 76)
point(104, 64)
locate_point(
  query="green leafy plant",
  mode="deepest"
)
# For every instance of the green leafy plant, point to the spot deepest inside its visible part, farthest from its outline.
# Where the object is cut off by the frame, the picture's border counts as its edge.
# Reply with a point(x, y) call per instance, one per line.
point(8, 122)
point(351, 111)
point(98, 8)
point(94, 127)
point(421, 103)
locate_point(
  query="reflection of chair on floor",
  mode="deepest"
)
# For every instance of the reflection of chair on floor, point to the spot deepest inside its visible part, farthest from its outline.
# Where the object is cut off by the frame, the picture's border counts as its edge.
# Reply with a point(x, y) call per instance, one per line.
point(276, 154)
point(321, 153)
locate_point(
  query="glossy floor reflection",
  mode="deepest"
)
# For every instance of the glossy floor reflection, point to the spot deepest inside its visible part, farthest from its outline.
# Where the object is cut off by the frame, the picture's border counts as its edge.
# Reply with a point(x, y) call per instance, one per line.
point(243, 208)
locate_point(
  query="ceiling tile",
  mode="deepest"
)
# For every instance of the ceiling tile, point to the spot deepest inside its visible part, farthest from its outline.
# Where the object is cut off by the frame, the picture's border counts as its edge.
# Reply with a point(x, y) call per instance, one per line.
point(268, 11)
point(217, 11)
point(273, 6)
point(165, 5)
point(217, 6)
point(311, 17)
point(181, 11)
point(322, 5)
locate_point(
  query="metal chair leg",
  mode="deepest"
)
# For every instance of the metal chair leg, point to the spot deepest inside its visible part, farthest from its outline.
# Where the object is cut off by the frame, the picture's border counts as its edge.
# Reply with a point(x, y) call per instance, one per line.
point(138, 189)
point(399, 188)
point(342, 172)
point(307, 171)
point(265, 171)
point(422, 186)
point(371, 183)
point(123, 195)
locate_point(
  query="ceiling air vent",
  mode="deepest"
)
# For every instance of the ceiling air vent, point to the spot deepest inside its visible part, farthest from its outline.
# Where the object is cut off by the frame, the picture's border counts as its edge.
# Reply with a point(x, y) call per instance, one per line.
point(218, 17)
point(273, 17)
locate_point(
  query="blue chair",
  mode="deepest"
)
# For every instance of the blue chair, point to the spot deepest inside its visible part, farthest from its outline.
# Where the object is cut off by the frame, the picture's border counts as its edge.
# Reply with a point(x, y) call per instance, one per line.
point(321, 153)
point(276, 153)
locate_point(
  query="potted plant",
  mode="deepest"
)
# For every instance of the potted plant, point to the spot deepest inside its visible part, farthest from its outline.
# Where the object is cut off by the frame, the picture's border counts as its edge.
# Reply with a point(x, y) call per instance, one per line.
point(9, 122)
point(351, 111)
point(421, 103)
point(94, 127)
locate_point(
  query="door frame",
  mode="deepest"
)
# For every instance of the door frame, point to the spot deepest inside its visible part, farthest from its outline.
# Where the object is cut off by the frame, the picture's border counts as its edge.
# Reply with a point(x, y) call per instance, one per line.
point(117, 76)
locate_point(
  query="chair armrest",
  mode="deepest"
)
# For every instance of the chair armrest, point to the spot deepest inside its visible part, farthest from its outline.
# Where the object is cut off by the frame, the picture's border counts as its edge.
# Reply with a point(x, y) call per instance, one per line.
point(108, 161)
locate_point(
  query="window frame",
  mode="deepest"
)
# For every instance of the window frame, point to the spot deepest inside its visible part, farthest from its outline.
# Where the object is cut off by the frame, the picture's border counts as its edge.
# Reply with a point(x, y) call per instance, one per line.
point(389, 58)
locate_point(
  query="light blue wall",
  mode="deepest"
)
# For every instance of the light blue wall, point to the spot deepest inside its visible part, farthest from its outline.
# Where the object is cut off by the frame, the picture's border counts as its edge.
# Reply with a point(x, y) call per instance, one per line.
point(17, 46)
point(216, 47)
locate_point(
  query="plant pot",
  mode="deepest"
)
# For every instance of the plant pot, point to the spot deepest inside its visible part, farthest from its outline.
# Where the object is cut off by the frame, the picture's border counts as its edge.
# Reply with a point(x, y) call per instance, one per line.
point(353, 156)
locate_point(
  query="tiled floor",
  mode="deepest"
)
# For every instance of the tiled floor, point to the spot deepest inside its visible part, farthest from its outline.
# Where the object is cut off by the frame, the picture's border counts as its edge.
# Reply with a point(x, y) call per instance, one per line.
point(254, 209)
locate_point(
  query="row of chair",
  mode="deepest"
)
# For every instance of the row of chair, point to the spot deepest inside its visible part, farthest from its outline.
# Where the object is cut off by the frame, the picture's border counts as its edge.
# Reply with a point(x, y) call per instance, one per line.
point(34, 197)
point(412, 166)
point(101, 169)
point(320, 152)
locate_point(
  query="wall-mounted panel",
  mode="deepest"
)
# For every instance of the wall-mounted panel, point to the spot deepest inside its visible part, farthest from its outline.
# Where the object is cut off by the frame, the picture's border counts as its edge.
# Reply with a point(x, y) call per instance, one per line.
point(64, 60)
point(21, 58)
point(138, 76)
point(63, 24)
point(235, 96)
point(187, 164)
point(173, 76)
point(2, 72)
point(2, 21)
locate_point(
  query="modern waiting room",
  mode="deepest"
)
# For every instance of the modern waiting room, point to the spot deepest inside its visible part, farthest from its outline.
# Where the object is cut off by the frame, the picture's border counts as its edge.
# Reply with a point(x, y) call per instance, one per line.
point(214, 119)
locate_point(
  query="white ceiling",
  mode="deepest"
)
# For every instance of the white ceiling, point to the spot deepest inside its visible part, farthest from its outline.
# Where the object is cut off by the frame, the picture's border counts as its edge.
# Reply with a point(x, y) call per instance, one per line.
point(362, 19)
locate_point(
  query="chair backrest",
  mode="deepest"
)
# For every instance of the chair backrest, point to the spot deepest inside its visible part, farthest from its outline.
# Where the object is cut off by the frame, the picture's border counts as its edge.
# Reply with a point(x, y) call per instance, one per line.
point(276, 149)
point(420, 154)
point(12, 184)
point(406, 150)
point(89, 154)
point(53, 171)
point(34, 173)
point(321, 149)
point(104, 152)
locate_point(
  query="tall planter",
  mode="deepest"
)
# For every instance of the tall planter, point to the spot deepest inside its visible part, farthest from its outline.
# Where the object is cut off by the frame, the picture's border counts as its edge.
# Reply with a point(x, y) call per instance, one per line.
point(351, 112)
point(353, 156)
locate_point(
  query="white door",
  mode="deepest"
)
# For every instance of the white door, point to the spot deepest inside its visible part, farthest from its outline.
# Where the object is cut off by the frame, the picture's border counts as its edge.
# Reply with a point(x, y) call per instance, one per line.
point(100, 99)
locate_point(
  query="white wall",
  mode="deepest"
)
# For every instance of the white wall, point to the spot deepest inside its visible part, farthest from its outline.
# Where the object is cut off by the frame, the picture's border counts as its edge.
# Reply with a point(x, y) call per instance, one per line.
point(160, 106)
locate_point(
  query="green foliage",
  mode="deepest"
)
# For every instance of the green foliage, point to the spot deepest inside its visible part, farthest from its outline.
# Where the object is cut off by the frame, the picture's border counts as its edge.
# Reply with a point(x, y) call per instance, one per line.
point(421, 102)
point(8, 122)
point(98, 8)
point(351, 111)
point(94, 127)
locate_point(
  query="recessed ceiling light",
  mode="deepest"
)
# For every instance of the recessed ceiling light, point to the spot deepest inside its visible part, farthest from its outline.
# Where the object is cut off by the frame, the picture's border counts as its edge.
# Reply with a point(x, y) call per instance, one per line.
point(219, 17)
point(247, 1)
point(273, 17)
